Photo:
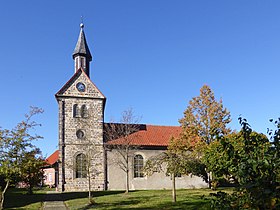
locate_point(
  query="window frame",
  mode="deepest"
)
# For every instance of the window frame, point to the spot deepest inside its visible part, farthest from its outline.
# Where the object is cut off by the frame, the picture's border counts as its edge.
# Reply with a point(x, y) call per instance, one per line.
point(84, 111)
point(76, 111)
point(80, 166)
point(138, 166)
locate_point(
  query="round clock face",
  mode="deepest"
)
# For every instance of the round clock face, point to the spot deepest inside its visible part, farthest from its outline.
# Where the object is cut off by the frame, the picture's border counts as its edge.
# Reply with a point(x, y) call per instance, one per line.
point(80, 134)
point(81, 87)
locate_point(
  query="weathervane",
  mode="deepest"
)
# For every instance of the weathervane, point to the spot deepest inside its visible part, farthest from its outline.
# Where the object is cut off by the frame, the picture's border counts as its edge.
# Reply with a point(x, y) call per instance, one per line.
point(82, 22)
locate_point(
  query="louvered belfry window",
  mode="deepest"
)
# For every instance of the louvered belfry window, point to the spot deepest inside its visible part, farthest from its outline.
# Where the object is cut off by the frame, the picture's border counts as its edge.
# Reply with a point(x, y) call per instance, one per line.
point(76, 111)
point(84, 111)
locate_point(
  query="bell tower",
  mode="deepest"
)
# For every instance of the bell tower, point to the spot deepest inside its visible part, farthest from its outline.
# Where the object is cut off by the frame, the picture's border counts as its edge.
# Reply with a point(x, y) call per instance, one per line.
point(81, 117)
point(81, 54)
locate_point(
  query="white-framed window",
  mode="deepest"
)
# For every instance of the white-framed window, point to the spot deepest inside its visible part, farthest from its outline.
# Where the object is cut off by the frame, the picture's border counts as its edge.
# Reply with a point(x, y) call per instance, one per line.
point(138, 166)
point(50, 177)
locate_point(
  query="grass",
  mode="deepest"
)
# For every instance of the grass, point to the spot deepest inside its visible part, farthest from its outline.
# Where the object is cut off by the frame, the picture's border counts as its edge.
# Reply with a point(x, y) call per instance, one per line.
point(16, 198)
point(152, 199)
point(114, 200)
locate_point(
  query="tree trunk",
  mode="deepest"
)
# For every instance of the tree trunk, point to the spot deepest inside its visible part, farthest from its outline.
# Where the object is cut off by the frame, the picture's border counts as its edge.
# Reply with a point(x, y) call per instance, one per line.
point(30, 189)
point(209, 180)
point(3, 195)
point(89, 191)
point(127, 173)
point(127, 182)
point(90, 200)
point(173, 187)
point(127, 176)
point(30, 180)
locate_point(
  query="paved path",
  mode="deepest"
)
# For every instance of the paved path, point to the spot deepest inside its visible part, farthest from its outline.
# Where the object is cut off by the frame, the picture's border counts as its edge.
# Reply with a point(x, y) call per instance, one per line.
point(54, 200)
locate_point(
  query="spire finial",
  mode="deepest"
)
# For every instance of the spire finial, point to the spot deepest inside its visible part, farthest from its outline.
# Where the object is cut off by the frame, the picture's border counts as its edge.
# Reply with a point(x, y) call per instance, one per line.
point(82, 22)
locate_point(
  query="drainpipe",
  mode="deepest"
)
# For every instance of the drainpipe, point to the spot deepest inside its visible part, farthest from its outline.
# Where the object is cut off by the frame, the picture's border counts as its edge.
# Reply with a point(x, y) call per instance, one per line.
point(63, 146)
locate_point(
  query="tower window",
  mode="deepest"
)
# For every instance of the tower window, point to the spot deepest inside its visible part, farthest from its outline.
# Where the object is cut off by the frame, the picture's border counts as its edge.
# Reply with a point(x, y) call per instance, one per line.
point(84, 111)
point(76, 63)
point(81, 167)
point(83, 63)
point(76, 111)
point(138, 164)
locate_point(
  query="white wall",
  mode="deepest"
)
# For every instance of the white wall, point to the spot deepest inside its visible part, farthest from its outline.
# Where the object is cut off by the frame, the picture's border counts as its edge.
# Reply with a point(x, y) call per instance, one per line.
point(117, 177)
point(49, 174)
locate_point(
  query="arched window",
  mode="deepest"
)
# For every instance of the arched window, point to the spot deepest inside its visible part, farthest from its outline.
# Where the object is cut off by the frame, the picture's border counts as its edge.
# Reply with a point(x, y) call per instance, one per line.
point(138, 164)
point(84, 111)
point(81, 167)
point(76, 111)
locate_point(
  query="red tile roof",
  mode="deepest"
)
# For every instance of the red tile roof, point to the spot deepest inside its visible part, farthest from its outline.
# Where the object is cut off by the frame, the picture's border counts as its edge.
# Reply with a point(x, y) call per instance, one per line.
point(148, 135)
point(53, 158)
point(152, 135)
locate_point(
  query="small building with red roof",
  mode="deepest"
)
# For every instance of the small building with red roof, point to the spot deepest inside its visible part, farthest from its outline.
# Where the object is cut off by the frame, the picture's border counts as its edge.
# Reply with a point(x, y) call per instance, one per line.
point(51, 170)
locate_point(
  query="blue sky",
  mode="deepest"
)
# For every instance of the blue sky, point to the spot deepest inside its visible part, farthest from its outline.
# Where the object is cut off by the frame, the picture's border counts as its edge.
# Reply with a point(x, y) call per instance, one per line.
point(151, 55)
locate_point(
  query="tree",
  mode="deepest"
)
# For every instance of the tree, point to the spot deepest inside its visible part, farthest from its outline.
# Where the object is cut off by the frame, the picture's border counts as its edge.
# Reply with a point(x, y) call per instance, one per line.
point(14, 144)
point(189, 148)
point(179, 159)
point(31, 171)
point(252, 161)
point(91, 168)
point(119, 138)
point(169, 162)
point(207, 116)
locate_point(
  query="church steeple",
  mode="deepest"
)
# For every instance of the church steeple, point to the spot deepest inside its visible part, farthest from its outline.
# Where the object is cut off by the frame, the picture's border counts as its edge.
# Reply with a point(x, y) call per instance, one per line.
point(81, 54)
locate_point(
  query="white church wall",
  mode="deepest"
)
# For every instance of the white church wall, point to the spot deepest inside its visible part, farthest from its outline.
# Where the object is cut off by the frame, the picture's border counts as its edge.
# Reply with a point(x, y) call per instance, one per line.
point(159, 180)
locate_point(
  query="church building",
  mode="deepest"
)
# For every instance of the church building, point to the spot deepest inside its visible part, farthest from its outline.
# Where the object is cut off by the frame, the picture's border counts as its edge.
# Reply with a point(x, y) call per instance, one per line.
point(86, 153)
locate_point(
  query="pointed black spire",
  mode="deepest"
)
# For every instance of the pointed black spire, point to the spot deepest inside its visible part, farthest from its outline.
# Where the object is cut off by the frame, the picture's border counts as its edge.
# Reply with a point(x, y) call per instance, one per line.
point(81, 54)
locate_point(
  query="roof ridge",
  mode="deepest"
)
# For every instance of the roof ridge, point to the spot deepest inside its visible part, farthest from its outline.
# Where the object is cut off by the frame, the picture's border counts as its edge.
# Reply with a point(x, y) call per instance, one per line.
point(163, 125)
point(143, 124)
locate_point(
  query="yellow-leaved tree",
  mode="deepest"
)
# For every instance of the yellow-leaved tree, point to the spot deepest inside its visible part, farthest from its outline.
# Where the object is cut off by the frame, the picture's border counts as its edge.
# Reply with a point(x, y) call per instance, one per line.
point(206, 118)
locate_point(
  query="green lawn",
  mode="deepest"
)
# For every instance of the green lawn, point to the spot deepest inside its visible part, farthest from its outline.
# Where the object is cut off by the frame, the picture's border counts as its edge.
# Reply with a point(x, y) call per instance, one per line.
point(19, 199)
point(152, 199)
point(113, 200)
